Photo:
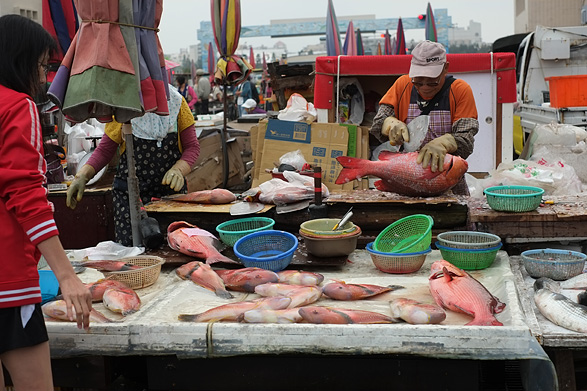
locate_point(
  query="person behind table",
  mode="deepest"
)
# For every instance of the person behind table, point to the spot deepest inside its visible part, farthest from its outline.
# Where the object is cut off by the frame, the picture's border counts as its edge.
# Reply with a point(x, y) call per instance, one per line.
point(428, 89)
point(203, 91)
point(216, 94)
point(243, 93)
point(28, 226)
point(187, 92)
point(165, 148)
point(250, 107)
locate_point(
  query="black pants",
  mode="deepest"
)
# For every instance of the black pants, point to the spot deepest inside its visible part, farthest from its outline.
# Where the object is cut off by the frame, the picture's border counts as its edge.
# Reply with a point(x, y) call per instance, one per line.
point(202, 107)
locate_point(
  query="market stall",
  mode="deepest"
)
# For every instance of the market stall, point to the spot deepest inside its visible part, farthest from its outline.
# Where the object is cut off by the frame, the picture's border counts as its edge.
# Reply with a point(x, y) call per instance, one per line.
point(155, 330)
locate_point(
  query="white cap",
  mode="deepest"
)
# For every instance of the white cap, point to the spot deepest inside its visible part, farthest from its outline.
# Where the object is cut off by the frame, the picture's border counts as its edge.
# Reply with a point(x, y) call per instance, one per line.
point(428, 59)
point(250, 104)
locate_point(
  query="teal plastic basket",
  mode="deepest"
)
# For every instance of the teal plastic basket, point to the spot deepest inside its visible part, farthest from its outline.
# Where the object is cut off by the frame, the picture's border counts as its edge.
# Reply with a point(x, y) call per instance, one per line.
point(232, 230)
point(514, 198)
point(409, 234)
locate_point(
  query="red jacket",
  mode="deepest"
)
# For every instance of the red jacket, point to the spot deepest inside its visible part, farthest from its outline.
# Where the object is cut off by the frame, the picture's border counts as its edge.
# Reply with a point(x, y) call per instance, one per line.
point(25, 213)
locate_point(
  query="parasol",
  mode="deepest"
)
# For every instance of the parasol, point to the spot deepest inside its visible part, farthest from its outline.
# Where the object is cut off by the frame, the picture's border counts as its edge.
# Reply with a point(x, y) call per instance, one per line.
point(350, 41)
point(333, 46)
point(379, 52)
point(169, 65)
point(360, 47)
point(264, 65)
point(400, 39)
point(230, 69)
point(211, 62)
point(430, 28)
point(114, 67)
point(252, 58)
point(387, 47)
point(60, 20)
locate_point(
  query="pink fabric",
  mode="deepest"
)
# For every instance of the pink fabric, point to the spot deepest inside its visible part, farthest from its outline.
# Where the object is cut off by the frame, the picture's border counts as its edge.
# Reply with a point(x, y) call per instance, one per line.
point(103, 154)
point(190, 144)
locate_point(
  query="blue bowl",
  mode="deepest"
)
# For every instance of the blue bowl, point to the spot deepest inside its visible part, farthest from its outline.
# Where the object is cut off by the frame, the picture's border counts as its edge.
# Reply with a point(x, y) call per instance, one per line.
point(49, 285)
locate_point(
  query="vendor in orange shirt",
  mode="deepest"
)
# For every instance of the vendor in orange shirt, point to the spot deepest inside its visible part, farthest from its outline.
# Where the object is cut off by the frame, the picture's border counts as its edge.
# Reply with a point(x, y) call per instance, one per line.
point(448, 103)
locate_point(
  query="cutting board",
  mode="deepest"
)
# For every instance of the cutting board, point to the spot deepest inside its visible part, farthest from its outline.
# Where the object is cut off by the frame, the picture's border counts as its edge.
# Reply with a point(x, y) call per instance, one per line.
point(175, 206)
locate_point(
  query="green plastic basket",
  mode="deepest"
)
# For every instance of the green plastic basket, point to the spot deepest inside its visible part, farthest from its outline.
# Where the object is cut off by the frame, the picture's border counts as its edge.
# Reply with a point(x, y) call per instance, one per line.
point(409, 234)
point(469, 259)
point(514, 198)
point(232, 230)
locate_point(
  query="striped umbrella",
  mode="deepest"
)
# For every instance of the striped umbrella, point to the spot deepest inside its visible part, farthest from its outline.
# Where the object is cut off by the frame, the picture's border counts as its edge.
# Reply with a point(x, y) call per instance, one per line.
point(360, 47)
point(61, 21)
point(350, 41)
point(252, 57)
point(400, 39)
point(211, 60)
point(430, 28)
point(226, 24)
point(264, 65)
point(388, 48)
point(333, 46)
point(379, 52)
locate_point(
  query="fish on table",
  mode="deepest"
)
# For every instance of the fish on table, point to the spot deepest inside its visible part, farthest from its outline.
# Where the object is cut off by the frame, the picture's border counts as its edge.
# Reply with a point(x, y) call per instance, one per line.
point(232, 311)
point(57, 309)
point(124, 301)
point(203, 275)
point(288, 315)
point(299, 295)
point(415, 312)
point(399, 173)
point(456, 290)
point(340, 290)
point(557, 308)
point(327, 315)
point(97, 288)
point(246, 279)
point(300, 277)
point(214, 196)
point(196, 242)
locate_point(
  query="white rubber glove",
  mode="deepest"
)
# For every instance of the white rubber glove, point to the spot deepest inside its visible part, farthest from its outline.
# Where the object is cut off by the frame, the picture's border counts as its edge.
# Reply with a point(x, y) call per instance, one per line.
point(434, 152)
point(174, 177)
point(75, 192)
point(395, 130)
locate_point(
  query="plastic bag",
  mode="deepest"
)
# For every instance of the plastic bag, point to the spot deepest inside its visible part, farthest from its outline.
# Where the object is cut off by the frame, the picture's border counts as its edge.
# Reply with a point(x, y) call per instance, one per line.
point(297, 188)
point(298, 109)
point(555, 177)
point(555, 134)
point(294, 158)
point(351, 101)
point(105, 251)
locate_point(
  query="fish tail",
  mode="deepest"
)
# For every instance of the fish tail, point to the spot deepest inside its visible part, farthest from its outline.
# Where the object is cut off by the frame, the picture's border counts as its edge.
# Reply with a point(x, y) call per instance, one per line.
point(223, 293)
point(129, 312)
point(491, 321)
point(353, 168)
point(219, 258)
point(187, 317)
point(395, 287)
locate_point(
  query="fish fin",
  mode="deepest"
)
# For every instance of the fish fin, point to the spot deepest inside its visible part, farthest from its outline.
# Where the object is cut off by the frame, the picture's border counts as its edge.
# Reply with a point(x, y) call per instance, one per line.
point(428, 174)
point(446, 274)
point(219, 258)
point(485, 322)
point(353, 168)
point(395, 287)
point(224, 294)
point(129, 312)
point(187, 317)
point(388, 155)
point(381, 185)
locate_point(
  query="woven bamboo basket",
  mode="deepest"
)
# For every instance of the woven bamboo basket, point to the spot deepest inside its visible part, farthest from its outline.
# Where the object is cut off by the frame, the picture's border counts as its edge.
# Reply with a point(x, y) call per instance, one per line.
point(139, 278)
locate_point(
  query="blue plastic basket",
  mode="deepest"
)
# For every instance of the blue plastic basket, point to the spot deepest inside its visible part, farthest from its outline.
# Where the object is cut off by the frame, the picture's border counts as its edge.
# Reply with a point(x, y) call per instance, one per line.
point(271, 249)
point(49, 285)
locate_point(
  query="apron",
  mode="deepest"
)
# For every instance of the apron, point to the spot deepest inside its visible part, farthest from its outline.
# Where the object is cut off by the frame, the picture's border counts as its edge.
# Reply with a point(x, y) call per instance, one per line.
point(440, 121)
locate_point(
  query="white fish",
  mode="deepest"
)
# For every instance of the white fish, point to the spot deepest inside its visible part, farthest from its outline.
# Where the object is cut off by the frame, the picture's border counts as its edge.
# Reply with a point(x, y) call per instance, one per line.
point(57, 309)
point(299, 295)
point(577, 282)
point(558, 308)
point(289, 315)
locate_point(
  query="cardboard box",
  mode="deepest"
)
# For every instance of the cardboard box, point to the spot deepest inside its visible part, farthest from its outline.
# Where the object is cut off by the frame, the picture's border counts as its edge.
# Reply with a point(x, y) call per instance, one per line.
point(320, 143)
point(208, 170)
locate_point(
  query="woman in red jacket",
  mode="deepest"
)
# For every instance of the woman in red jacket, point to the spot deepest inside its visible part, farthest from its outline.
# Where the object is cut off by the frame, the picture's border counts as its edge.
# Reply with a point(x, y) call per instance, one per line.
point(28, 228)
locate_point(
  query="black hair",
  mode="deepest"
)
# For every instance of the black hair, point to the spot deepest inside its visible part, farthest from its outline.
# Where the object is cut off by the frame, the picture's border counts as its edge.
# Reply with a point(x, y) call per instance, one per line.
point(180, 79)
point(22, 43)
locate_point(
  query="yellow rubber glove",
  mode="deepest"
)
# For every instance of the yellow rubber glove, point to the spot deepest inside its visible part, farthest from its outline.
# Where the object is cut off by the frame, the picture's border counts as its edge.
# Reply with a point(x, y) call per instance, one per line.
point(396, 130)
point(434, 152)
point(174, 177)
point(75, 192)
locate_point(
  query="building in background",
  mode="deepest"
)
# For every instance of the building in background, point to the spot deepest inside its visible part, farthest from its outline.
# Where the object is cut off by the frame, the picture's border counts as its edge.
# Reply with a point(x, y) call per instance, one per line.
point(469, 36)
point(531, 13)
point(31, 9)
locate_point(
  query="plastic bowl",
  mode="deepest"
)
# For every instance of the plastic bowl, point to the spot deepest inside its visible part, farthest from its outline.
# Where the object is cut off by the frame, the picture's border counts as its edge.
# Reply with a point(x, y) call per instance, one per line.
point(325, 226)
point(469, 259)
point(397, 263)
point(331, 246)
point(232, 230)
point(49, 285)
point(553, 263)
point(409, 234)
point(271, 249)
point(514, 198)
point(468, 239)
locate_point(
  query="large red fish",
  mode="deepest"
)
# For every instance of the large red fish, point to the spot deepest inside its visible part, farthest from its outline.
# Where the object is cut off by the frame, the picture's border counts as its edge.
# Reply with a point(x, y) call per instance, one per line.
point(97, 288)
point(203, 275)
point(246, 279)
point(196, 242)
point(233, 311)
point(340, 290)
point(399, 173)
point(455, 290)
point(214, 196)
point(122, 300)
